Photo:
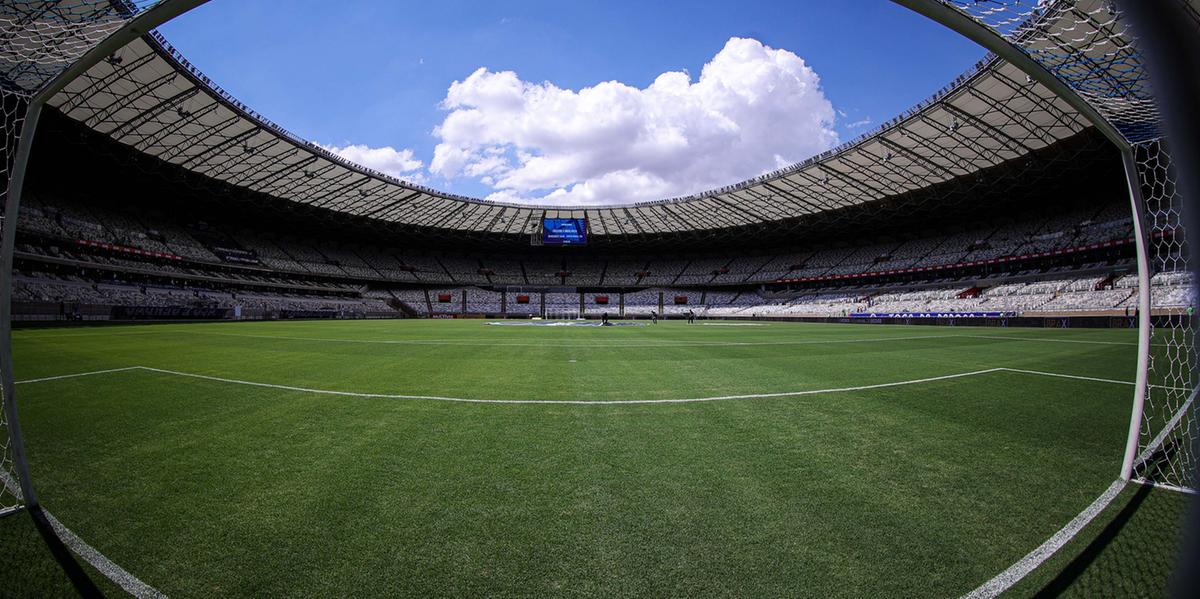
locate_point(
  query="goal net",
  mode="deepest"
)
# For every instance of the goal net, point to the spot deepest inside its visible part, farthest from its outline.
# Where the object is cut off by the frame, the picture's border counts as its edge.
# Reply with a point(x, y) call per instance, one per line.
point(41, 39)
point(12, 119)
point(1089, 46)
point(1166, 445)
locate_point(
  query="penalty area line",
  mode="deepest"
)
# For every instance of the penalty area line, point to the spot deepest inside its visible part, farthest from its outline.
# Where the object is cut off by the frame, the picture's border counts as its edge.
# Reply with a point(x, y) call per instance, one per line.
point(333, 392)
point(571, 401)
point(1086, 378)
point(75, 375)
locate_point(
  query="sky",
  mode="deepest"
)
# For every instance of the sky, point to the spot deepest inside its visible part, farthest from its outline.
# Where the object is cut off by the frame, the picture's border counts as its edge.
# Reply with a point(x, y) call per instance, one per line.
point(586, 102)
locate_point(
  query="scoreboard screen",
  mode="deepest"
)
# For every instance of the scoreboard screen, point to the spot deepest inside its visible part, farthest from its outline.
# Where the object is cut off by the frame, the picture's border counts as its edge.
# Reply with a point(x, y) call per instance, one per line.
point(564, 231)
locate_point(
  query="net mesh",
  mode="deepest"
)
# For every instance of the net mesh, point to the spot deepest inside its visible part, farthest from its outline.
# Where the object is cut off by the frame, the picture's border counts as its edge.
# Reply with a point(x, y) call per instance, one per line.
point(12, 119)
point(1088, 45)
point(1168, 430)
point(39, 39)
point(1085, 44)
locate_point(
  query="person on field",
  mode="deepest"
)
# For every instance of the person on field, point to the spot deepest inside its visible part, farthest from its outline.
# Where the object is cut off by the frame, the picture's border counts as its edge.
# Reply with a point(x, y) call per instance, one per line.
point(691, 317)
point(653, 317)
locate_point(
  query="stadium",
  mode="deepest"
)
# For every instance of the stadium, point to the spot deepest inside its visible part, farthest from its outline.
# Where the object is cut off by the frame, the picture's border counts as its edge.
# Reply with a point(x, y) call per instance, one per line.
point(953, 356)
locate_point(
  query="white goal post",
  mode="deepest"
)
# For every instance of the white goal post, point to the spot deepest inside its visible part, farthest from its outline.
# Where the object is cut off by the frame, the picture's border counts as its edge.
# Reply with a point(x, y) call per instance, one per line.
point(1103, 76)
point(54, 42)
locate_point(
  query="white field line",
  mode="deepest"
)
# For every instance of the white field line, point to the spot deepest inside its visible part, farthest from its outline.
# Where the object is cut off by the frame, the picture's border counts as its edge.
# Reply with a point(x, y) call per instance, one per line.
point(1046, 340)
point(992, 588)
point(76, 375)
point(121, 577)
point(572, 401)
point(332, 392)
point(1166, 487)
point(495, 343)
point(489, 342)
point(105, 332)
point(1006, 579)
point(1088, 378)
point(670, 344)
point(118, 575)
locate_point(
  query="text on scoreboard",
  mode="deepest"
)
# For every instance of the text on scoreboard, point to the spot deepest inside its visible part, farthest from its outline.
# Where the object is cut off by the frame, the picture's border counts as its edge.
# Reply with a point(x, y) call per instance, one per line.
point(564, 231)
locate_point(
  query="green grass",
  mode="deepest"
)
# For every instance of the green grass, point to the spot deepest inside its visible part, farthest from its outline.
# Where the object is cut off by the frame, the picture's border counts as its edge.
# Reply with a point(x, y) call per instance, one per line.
point(201, 487)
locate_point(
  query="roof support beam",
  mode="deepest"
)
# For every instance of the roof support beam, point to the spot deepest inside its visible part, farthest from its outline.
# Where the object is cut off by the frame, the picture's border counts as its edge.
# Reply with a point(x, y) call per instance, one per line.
point(908, 152)
point(152, 141)
point(389, 206)
point(982, 125)
point(101, 84)
point(121, 101)
point(152, 112)
point(202, 157)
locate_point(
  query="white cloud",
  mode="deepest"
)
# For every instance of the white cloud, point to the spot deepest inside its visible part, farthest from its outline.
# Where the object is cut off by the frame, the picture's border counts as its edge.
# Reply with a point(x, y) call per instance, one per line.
point(388, 160)
point(752, 110)
point(859, 123)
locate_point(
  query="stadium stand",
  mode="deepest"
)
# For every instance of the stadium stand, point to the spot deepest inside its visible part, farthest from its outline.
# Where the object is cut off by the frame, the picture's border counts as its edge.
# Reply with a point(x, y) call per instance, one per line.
point(1054, 227)
point(106, 256)
point(1002, 196)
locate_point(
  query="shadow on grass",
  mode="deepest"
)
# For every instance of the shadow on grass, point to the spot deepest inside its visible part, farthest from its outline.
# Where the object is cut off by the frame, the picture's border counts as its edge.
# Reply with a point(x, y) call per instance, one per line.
point(1133, 555)
point(35, 563)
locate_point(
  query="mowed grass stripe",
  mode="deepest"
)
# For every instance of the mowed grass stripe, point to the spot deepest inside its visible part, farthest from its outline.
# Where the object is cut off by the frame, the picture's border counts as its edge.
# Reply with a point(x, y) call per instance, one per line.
point(549, 373)
point(707, 497)
point(200, 487)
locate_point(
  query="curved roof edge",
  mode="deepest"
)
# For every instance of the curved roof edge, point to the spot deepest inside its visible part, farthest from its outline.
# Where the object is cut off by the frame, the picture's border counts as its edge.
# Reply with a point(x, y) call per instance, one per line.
point(160, 43)
point(157, 41)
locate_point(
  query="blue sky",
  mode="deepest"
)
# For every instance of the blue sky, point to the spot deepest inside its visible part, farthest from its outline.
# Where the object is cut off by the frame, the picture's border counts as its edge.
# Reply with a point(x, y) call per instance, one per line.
point(377, 74)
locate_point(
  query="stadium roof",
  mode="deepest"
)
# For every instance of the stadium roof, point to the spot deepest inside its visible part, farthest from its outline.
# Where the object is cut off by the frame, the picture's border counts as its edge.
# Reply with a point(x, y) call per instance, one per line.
point(150, 98)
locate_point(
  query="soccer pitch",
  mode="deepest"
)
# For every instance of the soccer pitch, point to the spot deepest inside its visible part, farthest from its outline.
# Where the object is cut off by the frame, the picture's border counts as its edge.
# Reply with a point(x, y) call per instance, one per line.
point(340, 458)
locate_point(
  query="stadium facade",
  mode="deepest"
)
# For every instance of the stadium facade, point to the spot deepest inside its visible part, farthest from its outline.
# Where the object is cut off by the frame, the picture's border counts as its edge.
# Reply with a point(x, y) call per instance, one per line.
point(1005, 195)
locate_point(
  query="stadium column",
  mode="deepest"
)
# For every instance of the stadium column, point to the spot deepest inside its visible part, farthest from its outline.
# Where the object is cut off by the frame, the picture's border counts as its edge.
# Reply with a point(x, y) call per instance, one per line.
point(138, 25)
